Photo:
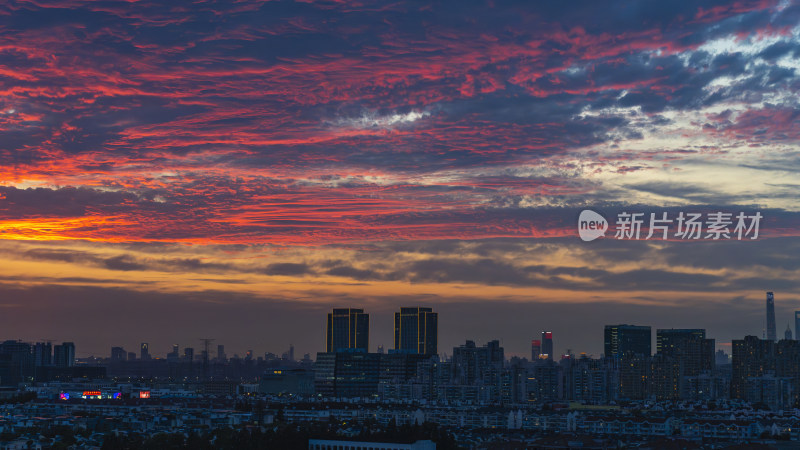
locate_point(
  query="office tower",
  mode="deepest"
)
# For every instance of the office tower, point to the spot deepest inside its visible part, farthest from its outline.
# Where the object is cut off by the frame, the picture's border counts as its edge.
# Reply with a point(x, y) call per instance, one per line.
point(771, 333)
point(399, 367)
point(175, 354)
point(478, 365)
point(627, 340)
point(221, 357)
point(16, 363)
point(416, 331)
point(145, 351)
point(118, 354)
point(188, 354)
point(347, 374)
point(536, 349)
point(751, 358)
point(547, 345)
point(788, 333)
point(681, 353)
point(797, 325)
point(64, 355)
point(291, 352)
point(348, 328)
point(690, 346)
point(765, 371)
point(43, 354)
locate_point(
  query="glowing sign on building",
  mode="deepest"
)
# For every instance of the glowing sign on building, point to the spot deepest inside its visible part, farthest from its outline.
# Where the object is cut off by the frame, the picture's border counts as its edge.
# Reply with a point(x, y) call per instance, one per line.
point(144, 394)
point(117, 395)
point(92, 393)
point(64, 396)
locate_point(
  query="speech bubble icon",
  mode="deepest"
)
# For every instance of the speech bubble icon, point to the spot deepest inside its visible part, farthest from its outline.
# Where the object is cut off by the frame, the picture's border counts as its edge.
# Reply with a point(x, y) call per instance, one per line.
point(591, 225)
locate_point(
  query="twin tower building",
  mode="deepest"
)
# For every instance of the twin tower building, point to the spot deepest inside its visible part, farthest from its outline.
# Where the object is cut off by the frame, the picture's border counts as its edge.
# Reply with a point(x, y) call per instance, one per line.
point(415, 331)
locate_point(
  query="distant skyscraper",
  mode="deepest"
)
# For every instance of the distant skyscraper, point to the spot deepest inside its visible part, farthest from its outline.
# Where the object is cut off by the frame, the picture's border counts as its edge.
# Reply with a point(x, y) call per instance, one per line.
point(688, 346)
point(473, 364)
point(221, 357)
point(416, 331)
point(771, 333)
point(175, 354)
point(145, 351)
point(64, 355)
point(348, 328)
point(536, 349)
point(627, 340)
point(721, 358)
point(788, 333)
point(797, 325)
point(118, 354)
point(547, 345)
point(43, 354)
point(188, 354)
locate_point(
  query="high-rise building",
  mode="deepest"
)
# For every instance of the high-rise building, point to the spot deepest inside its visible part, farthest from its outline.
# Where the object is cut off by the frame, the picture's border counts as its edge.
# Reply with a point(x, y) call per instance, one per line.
point(416, 331)
point(118, 354)
point(627, 340)
point(175, 354)
point(765, 371)
point(788, 333)
point(690, 346)
point(473, 364)
point(536, 349)
point(682, 353)
point(64, 355)
point(188, 354)
point(16, 362)
point(348, 328)
point(221, 357)
point(547, 345)
point(43, 354)
point(347, 374)
point(771, 333)
point(144, 351)
point(797, 325)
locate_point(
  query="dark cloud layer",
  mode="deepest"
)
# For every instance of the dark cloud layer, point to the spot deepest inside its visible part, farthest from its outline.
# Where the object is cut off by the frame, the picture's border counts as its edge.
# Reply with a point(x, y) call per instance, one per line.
point(331, 145)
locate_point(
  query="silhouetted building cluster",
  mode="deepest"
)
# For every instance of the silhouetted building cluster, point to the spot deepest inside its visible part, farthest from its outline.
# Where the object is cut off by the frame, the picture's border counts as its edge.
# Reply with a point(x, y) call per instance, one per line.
point(202, 366)
point(22, 362)
point(685, 366)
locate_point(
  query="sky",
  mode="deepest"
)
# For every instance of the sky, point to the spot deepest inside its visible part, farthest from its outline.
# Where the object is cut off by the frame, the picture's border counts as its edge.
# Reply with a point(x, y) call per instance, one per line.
point(171, 171)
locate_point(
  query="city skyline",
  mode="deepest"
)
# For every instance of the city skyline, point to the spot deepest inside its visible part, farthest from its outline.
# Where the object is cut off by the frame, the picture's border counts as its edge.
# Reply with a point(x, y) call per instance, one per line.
point(616, 340)
point(235, 171)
